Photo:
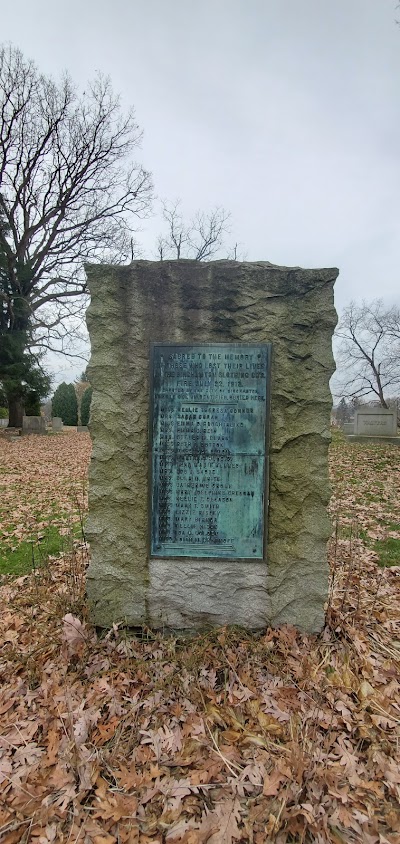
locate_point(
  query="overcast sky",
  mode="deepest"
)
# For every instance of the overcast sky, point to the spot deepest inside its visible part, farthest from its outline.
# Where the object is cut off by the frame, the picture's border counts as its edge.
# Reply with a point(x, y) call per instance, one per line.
point(285, 112)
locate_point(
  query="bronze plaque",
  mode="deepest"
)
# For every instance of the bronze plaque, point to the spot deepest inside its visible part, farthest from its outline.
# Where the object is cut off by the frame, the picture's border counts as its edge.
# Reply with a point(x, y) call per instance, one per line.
point(208, 435)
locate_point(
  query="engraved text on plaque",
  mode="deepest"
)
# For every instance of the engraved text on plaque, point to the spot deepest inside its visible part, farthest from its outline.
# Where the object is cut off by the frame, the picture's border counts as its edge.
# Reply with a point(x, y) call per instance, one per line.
point(208, 450)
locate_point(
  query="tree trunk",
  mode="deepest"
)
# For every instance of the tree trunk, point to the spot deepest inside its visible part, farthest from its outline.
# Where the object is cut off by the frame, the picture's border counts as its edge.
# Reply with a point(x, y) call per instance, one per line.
point(377, 372)
point(15, 412)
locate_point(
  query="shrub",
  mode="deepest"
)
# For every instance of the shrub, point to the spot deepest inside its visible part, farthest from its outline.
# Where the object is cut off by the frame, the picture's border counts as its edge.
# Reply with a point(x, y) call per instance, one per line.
point(85, 406)
point(65, 405)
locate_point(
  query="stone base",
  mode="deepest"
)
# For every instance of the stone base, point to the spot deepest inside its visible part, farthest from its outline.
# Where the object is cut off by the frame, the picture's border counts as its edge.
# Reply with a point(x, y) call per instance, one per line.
point(348, 428)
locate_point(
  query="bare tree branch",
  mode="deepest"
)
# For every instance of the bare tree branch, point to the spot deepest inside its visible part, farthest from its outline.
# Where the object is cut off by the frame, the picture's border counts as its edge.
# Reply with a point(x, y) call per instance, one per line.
point(69, 192)
point(201, 239)
point(369, 351)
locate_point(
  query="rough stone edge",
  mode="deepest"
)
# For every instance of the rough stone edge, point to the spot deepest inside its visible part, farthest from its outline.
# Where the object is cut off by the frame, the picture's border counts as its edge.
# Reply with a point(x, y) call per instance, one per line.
point(281, 613)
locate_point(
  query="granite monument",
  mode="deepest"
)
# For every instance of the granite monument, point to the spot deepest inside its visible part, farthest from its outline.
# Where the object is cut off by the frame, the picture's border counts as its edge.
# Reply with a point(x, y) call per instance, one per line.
point(210, 421)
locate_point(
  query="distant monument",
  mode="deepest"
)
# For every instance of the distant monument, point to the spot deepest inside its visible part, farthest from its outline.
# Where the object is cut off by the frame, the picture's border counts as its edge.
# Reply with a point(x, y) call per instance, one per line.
point(33, 425)
point(376, 423)
point(210, 422)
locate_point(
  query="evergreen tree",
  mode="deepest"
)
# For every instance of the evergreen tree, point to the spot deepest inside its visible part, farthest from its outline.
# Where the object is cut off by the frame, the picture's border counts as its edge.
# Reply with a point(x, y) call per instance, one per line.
point(343, 412)
point(85, 406)
point(65, 405)
point(32, 404)
point(20, 376)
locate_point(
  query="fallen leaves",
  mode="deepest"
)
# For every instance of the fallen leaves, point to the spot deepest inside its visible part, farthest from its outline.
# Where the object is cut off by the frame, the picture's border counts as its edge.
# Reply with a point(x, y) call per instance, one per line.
point(43, 482)
point(221, 738)
point(73, 633)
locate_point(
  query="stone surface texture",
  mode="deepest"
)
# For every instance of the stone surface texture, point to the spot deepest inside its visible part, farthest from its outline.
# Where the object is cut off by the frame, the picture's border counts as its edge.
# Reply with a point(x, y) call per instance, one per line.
point(33, 425)
point(192, 302)
point(348, 427)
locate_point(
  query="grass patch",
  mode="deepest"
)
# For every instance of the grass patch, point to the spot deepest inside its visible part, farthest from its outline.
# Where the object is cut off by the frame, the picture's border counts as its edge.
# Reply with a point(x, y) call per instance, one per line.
point(388, 551)
point(337, 435)
point(35, 553)
point(393, 526)
point(351, 532)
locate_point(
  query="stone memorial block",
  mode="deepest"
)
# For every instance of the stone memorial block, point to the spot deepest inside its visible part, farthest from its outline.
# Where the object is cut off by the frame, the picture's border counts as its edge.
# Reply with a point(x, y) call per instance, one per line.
point(348, 427)
point(33, 425)
point(82, 429)
point(56, 424)
point(210, 421)
point(375, 422)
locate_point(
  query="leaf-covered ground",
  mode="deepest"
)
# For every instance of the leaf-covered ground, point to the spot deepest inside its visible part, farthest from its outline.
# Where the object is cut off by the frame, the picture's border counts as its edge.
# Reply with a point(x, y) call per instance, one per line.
point(223, 737)
point(366, 496)
point(43, 495)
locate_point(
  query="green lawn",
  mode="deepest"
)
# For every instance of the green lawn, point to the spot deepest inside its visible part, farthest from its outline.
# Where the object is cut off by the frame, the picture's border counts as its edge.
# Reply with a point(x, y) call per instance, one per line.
point(388, 551)
point(35, 553)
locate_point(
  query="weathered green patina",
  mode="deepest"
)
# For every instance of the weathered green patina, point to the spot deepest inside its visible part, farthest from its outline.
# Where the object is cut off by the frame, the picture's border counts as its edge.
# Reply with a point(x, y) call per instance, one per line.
point(208, 436)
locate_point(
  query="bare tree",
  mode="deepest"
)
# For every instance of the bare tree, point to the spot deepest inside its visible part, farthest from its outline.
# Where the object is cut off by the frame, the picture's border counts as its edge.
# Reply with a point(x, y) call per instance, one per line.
point(394, 324)
point(69, 192)
point(200, 239)
point(369, 351)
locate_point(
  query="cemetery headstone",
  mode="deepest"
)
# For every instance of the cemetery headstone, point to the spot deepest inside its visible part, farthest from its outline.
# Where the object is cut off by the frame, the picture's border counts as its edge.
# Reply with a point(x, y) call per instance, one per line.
point(56, 424)
point(82, 429)
point(210, 422)
point(33, 425)
point(375, 422)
